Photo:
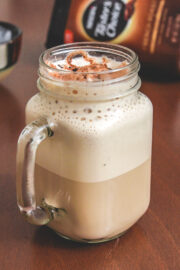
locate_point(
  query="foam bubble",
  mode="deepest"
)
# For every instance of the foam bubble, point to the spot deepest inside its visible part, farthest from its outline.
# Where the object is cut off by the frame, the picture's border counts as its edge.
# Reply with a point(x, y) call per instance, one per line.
point(114, 132)
point(124, 109)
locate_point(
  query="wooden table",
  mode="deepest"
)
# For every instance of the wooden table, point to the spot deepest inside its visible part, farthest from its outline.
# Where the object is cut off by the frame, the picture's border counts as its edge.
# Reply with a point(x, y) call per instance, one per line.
point(154, 242)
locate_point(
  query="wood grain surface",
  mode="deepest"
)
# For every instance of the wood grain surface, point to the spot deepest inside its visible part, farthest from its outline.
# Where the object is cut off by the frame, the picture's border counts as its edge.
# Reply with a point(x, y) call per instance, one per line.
point(154, 242)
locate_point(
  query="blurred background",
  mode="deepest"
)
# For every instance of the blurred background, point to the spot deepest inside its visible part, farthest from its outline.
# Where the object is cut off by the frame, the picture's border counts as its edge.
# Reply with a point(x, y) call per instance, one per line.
point(153, 243)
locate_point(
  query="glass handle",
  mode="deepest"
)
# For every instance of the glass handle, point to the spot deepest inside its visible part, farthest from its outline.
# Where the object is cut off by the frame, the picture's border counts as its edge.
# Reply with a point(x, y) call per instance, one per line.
point(29, 140)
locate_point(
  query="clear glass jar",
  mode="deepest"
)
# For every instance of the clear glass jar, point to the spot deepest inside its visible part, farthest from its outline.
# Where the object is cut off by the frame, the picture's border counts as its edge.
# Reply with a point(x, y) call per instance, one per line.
point(90, 177)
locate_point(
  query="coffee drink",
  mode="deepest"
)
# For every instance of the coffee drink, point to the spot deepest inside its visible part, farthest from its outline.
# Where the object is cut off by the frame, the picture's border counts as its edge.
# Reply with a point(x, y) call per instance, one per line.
point(96, 167)
point(94, 172)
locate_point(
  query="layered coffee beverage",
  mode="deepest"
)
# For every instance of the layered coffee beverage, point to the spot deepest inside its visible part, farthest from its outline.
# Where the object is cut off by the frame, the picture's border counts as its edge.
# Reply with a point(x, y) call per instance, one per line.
point(94, 172)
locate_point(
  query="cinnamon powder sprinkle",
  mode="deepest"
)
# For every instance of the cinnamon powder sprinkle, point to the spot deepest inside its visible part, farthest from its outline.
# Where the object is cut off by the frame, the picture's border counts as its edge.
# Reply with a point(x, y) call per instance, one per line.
point(88, 72)
point(75, 92)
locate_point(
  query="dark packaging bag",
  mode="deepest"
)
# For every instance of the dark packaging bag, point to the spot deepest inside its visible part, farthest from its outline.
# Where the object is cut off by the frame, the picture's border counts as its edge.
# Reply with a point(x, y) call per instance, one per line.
point(151, 28)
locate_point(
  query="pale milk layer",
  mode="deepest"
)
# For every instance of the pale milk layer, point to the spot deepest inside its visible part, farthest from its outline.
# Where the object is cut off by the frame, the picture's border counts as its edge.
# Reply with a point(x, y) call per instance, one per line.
point(95, 210)
point(92, 141)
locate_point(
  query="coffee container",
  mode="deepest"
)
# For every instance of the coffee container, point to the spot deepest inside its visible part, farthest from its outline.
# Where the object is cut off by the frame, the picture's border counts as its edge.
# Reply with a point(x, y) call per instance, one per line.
point(151, 28)
point(84, 157)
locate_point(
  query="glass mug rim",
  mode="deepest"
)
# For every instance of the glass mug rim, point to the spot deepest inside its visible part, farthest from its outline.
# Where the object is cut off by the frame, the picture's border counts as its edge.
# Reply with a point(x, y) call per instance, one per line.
point(114, 77)
point(117, 50)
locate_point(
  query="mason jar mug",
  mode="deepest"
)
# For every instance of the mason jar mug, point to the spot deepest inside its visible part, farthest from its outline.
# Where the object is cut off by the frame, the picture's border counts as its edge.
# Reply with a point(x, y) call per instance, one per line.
point(84, 158)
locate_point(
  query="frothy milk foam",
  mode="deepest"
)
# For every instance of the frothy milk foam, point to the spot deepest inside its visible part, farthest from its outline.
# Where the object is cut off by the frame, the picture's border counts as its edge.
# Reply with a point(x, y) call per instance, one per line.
point(96, 167)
